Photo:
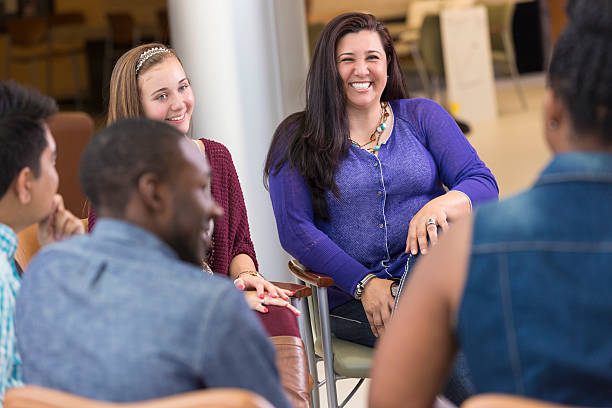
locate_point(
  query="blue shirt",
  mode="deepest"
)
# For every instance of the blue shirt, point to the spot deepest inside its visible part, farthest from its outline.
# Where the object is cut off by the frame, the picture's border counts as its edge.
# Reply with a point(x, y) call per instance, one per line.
point(116, 316)
point(10, 363)
point(535, 317)
point(379, 195)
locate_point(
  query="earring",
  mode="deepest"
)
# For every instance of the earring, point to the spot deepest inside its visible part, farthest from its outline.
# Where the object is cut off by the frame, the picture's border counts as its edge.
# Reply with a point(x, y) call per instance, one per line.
point(553, 124)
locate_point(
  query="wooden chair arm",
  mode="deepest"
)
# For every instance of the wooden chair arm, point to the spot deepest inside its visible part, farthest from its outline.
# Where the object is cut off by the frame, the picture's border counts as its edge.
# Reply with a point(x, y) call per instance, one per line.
point(300, 291)
point(31, 396)
point(304, 274)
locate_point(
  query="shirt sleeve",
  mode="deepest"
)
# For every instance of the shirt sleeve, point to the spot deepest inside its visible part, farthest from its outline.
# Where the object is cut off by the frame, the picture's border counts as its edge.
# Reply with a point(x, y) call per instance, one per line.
point(241, 356)
point(300, 237)
point(458, 163)
point(7, 338)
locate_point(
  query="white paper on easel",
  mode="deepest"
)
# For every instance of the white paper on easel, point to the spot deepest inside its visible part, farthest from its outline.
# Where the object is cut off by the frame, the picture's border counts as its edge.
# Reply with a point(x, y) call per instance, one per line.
point(467, 61)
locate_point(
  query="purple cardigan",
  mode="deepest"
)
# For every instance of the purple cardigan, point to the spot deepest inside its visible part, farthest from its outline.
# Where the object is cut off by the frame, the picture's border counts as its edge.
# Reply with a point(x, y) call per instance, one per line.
point(378, 197)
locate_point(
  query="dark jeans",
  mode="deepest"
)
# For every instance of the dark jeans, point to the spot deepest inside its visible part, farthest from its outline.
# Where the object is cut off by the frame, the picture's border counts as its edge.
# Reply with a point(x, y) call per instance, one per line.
point(349, 322)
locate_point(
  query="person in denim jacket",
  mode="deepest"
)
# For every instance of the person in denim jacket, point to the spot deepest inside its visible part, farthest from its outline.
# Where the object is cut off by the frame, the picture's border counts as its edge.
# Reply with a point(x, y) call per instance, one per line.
point(523, 287)
point(363, 177)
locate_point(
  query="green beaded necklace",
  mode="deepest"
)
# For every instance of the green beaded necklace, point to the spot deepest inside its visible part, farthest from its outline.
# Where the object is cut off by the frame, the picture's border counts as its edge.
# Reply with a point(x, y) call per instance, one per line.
point(384, 114)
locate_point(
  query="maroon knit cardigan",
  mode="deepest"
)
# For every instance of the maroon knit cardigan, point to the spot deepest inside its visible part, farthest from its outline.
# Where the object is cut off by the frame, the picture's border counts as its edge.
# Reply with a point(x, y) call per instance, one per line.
point(231, 235)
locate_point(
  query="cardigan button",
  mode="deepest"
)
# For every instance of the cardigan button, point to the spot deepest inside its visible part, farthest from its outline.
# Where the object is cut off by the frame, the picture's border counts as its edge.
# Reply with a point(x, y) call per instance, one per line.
point(379, 192)
point(375, 164)
point(380, 225)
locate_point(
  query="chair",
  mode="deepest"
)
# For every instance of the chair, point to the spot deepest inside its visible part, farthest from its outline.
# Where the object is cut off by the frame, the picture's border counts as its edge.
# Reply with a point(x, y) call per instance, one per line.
point(500, 17)
point(122, 35)
point(164, 26)
point(67, 41)
point(407, 43)
point(72, 132)
point(507, 401)
point(30, 41)
point(28, 244)
point(31, 396)
point(421, 40)
point(342, 359)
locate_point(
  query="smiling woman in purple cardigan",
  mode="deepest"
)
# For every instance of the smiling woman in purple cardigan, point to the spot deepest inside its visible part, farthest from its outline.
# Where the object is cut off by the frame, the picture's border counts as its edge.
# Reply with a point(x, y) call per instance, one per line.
point(361, 179)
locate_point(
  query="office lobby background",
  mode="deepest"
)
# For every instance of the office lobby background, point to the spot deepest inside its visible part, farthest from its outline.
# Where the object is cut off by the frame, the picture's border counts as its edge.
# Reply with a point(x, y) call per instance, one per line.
point(247, 61)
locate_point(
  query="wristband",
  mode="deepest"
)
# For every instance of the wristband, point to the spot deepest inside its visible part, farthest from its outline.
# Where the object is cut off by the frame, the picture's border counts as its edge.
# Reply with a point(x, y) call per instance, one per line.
point(361, 285)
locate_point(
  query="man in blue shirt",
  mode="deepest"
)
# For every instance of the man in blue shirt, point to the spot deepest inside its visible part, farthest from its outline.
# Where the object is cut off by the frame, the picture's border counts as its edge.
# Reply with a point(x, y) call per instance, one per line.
point(28, 186)
point(126, 313)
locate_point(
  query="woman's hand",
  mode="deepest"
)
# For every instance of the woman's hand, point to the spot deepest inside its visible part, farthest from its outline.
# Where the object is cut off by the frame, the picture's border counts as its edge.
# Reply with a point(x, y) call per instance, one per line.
point(257, 303)
point(435, 213)
point(246, 281)
point(59, 224)
point(377, 303)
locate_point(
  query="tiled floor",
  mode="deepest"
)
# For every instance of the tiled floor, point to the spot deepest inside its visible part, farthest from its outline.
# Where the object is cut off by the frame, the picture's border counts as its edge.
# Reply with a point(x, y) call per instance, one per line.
point(514, 149)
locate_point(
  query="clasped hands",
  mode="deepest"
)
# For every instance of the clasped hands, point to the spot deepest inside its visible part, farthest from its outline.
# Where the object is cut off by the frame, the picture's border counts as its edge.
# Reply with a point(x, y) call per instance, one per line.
point(260, 293)
point(59, 224)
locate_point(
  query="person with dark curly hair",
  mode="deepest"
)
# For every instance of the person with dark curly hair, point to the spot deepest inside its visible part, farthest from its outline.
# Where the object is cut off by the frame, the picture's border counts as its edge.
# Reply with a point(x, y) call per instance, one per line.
point(523, 288)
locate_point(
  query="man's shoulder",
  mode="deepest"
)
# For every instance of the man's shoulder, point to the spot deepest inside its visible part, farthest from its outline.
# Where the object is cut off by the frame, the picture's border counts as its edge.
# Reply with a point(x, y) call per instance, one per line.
point(85, 254)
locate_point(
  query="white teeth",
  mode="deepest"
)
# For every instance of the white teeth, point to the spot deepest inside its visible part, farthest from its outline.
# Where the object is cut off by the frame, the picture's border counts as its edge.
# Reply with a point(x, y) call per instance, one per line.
point(177, 118)
point(360, 85)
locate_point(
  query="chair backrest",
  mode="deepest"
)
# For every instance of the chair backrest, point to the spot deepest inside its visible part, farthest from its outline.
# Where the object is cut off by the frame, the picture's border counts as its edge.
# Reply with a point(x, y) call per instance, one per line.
point(164, 25)
point(31, 396)
point(28, 245)
point(72, 132)
point(71, 18)
point(122, 29)
point(28, 31)
point(419, 9)
point(507, 401)
point(430, 44)
point(500, 17)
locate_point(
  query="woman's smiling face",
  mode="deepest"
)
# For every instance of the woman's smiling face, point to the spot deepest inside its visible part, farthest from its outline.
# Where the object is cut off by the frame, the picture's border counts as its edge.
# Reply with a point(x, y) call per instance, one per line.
point(362, 65)
point(165, 94)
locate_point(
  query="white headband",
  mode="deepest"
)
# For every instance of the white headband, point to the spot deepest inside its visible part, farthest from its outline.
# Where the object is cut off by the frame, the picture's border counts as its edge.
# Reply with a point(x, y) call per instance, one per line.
point(148, 54)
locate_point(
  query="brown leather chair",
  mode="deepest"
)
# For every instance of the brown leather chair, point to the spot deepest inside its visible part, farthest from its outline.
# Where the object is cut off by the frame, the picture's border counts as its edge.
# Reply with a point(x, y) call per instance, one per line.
point(72, 132)
point(31, 396)
point(507, 401)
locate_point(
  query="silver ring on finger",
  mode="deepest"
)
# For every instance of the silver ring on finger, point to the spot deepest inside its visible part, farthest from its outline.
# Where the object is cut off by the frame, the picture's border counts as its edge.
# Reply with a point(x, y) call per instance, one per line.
point(430, 221)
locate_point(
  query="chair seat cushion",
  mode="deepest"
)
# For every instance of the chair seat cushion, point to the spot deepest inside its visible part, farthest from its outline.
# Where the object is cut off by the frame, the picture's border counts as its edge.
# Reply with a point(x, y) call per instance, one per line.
point(350, 359)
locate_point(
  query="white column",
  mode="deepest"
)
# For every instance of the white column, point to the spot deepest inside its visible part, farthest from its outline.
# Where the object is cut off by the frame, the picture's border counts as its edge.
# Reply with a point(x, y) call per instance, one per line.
point(247, 60)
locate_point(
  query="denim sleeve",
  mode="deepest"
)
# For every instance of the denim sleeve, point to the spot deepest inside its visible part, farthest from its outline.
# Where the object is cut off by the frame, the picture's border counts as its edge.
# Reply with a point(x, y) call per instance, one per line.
point(458, 163)
point(300, 237)
point(238, 352)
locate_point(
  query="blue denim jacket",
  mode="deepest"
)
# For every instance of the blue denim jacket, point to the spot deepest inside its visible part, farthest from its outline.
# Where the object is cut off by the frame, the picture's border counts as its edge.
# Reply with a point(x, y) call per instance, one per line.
point(536, 314)
point(115, 315)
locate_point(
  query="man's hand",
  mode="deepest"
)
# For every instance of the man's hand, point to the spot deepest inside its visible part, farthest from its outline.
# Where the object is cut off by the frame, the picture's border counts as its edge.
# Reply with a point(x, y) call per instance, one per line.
point(59, 224)
point(377, 303)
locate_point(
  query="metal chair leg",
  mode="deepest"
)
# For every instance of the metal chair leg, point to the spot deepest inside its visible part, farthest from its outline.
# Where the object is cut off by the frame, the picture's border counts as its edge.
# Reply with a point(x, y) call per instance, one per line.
point(328, 356)
point(509, 50)
point(78, 101)
point(421, 70)
point(306, 332)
